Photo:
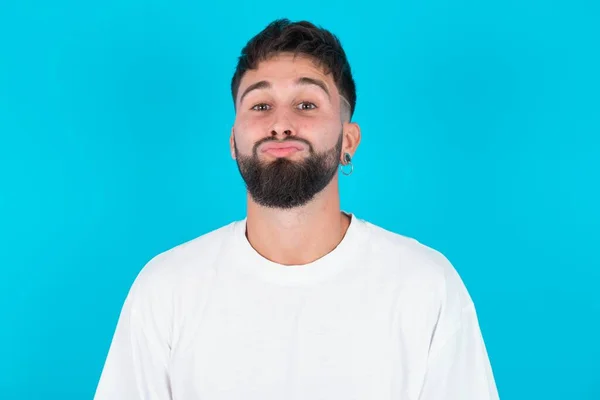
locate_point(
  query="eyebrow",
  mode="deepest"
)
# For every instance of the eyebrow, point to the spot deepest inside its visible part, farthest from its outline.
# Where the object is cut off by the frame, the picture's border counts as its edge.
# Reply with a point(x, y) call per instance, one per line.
point(255, 86)
point(313, 81)
point(301, 81)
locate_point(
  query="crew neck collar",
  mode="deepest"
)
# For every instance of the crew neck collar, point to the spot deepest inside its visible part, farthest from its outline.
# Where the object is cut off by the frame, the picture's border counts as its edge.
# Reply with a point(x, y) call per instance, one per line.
point(320, 269)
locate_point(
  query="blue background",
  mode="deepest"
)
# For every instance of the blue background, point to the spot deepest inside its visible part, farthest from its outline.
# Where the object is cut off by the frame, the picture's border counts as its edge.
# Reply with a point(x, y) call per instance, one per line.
point(480, 126)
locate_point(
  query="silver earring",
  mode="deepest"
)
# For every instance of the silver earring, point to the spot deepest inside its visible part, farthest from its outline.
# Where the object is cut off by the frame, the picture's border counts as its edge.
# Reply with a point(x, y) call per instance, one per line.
point(347, 162)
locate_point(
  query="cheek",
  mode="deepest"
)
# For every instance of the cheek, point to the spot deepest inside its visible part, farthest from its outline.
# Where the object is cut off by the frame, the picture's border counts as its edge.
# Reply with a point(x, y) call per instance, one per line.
point(246, 134)
point(250, 126)
point(324, 134)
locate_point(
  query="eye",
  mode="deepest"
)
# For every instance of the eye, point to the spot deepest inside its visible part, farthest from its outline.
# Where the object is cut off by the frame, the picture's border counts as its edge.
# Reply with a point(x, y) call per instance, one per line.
point(306, 105)
point(261, 107)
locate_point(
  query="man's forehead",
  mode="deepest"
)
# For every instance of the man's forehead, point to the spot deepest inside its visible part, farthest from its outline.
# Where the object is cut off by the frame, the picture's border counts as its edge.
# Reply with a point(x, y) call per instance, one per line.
point(286, 68)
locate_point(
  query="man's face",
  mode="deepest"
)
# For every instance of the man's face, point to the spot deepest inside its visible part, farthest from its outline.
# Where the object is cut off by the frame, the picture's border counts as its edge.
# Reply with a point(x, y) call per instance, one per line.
point(287, 137)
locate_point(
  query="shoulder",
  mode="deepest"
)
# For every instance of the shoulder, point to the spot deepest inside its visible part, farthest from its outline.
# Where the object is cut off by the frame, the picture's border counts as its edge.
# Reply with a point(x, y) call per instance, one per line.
point(187, 261)
point(416, 265)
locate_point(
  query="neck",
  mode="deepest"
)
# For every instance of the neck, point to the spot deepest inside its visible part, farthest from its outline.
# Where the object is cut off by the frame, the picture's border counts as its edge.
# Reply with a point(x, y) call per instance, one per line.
point(298, 236)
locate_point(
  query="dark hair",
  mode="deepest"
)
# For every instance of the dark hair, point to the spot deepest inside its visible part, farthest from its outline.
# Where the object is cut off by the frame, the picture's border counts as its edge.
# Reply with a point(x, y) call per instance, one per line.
point(304, 38)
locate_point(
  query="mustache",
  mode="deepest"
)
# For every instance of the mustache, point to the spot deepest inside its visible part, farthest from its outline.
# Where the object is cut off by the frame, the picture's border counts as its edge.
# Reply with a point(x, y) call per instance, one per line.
point(288, 139)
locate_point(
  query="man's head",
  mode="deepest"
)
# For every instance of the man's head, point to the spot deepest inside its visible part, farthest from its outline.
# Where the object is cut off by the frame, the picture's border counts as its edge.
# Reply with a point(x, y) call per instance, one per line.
point(294, 97)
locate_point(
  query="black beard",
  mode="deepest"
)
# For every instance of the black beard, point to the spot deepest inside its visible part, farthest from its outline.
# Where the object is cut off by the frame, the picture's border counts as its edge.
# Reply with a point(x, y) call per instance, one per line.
point(284, 183)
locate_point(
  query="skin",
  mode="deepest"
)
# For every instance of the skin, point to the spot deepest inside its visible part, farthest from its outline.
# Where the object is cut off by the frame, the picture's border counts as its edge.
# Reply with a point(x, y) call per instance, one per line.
point(304, 234)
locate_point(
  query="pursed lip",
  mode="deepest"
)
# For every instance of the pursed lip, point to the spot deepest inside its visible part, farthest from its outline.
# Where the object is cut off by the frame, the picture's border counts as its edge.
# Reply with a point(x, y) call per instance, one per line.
point(290, 146)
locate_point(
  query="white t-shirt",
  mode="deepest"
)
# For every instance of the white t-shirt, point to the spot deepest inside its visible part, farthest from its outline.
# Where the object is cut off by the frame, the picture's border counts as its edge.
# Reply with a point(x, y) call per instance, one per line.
point(381, 317)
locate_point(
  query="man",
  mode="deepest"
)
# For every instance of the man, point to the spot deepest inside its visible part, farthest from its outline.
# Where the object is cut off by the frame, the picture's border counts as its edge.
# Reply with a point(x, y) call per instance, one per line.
point(299, 300)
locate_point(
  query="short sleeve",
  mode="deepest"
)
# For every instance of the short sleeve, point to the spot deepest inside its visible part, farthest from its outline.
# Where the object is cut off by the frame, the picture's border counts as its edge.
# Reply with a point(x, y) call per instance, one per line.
point(458, 367)
point(136, 366)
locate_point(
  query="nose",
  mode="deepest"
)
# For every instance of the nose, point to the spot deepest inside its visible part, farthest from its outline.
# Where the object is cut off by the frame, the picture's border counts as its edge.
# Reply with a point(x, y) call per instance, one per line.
point(285, 133)
point(283, 127)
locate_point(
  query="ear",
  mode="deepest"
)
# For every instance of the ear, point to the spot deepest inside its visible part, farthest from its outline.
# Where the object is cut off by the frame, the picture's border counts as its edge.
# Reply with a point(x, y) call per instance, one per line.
point(351, 138)
point(232, 144)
